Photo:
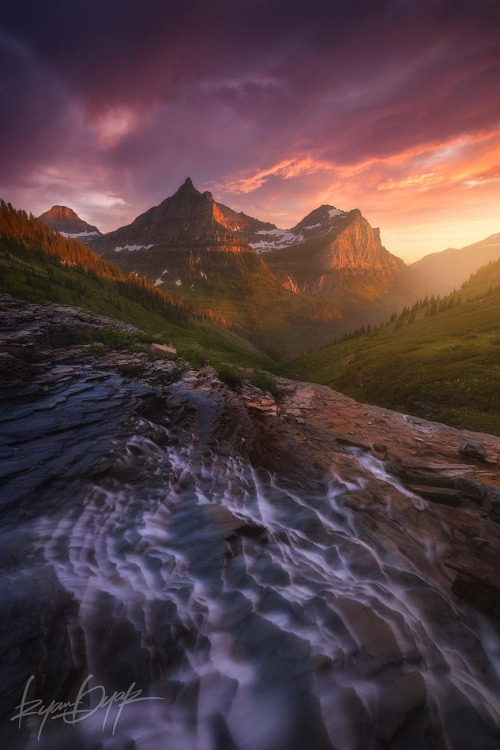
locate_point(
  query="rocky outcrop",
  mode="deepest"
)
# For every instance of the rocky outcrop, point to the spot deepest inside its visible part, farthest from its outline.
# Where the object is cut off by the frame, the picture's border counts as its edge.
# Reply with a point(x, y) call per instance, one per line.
point(259, 563)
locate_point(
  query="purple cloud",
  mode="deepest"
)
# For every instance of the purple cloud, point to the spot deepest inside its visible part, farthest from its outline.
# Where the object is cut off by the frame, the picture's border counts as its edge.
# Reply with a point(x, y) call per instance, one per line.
point(125, 98)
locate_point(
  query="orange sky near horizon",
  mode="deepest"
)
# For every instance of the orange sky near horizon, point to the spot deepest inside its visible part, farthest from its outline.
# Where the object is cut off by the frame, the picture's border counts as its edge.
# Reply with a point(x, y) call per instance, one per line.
point(424, 200)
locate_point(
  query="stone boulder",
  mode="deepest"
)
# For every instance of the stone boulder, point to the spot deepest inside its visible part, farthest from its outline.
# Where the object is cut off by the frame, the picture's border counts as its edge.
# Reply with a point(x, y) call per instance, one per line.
point(165, 352)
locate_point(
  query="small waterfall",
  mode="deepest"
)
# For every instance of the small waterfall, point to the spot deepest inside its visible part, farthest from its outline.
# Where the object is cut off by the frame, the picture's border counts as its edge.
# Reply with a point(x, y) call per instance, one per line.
point(268, 616)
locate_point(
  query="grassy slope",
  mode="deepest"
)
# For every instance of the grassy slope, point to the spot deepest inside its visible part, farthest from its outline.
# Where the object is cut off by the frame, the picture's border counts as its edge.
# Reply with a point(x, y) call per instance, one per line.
point(237, 289)
point(277, 321)
point(444, 367)
point(31, 275)
point(243, 310)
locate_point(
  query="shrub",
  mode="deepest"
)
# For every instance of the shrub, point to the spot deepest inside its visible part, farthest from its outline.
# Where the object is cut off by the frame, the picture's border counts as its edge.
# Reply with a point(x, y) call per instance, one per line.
point(265, 382)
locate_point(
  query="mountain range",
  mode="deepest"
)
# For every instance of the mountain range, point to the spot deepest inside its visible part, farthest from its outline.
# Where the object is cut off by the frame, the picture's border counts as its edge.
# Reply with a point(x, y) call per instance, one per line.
point(332, 257)
point(332, 261)
point(230, 307)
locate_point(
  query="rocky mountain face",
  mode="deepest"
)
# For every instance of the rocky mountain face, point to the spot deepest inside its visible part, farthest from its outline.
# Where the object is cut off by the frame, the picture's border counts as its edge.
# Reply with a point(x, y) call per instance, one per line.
point(325, 242)
point(178, 242)
point(188, 218)
point(318, 223)
point(336, 255)
point(68, 223)
point(246, 227)
point(331, 255)
point(291, 572)
point(443, 272)
point(186, 246)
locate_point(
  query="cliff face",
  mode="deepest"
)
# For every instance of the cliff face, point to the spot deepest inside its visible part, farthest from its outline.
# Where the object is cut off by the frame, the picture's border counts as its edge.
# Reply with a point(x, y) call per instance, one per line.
point(350, 242)
point(339, 256)
point(357, 245)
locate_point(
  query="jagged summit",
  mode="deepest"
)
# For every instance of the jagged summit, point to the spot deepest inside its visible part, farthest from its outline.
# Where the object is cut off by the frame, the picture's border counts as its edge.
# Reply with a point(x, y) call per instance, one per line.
point(186, 218)
point(66, 221)
point(186, 188)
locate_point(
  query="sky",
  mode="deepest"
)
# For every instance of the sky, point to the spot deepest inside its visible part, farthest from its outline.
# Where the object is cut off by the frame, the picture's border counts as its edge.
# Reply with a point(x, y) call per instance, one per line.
point(275, 106)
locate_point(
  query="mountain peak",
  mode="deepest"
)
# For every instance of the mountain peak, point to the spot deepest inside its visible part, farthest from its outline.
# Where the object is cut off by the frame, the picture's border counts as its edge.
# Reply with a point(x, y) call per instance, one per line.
point(186, 191)
point(61, 211)
point(324, 215)
point(187, 187)
point(66, 221)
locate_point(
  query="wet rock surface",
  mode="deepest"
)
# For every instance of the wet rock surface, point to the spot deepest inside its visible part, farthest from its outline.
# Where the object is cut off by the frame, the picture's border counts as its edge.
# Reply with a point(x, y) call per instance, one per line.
point(302, 572)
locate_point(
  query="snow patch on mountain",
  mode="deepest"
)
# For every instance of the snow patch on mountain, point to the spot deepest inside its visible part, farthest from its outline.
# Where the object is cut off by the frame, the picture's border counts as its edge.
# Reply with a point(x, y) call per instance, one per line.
point(335, 212)
point(159, 280)
point(278, 238)
point(75, 235)
point(132, 248)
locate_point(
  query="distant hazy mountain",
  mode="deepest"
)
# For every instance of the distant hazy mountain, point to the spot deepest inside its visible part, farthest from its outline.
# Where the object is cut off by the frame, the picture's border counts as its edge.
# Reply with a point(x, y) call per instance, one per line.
point(187, 245)
point(442, 272)
point(68, 223)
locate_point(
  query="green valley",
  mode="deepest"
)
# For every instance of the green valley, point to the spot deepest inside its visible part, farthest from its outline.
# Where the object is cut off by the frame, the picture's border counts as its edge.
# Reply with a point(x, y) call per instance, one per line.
point(441, 361)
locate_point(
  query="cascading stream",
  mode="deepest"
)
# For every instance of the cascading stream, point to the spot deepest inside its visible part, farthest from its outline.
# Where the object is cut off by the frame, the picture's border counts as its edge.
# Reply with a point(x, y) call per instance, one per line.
point(269, 616)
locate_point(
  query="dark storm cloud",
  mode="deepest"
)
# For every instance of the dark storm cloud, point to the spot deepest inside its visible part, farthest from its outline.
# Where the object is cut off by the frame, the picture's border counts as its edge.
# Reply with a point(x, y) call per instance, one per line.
point(36, 118)
point(151, 90)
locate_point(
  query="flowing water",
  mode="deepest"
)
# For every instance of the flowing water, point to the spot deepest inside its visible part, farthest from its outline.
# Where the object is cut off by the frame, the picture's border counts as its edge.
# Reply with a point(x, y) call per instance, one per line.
point(312, 630)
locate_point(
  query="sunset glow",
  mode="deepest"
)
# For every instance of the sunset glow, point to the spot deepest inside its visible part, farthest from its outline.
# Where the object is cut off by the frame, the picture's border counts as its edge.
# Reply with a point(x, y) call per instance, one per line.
point(389, 107)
